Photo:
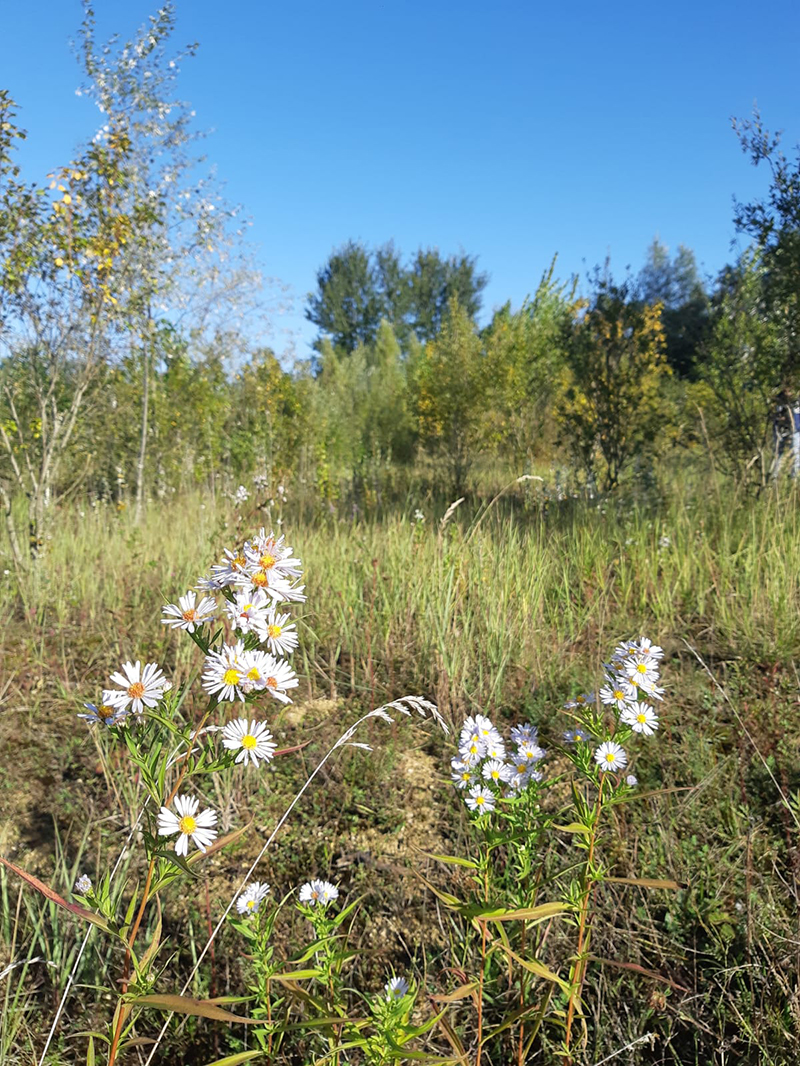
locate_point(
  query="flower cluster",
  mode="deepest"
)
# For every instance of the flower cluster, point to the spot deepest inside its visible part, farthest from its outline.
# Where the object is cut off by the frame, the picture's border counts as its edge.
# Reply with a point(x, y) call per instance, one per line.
point(253, 581)
point(485, 769)
point(631, 679)
point(318, 893)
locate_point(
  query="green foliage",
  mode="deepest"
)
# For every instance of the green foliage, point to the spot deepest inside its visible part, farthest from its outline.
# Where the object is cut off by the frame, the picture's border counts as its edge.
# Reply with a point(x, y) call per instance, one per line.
point(451, 389)
point(613, 407)
point(744, 365)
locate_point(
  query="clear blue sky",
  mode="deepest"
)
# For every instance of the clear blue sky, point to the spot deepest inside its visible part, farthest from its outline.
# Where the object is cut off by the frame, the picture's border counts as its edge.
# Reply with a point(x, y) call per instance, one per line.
point(511, 131)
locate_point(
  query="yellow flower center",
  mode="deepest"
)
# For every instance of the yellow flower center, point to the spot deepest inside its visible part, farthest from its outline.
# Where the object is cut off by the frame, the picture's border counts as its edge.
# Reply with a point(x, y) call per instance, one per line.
point(580, 699)
point(618, 695)
point(466, 775)
point(521, 768)
point(610, 756)
point(187, 824)
point(274, 631)
point(266, 562)
point(272, 682)
point(190, 615)
point(231, 676)
point(251, 903)
point(249, 741)
point(136, 691)
point(495, 774)
point(641, 717)
point(261, 579)
point(479, 800)
point(642, 668)
point(106, 712)
point(238, 562)
point(253, 674)
point(247, 607)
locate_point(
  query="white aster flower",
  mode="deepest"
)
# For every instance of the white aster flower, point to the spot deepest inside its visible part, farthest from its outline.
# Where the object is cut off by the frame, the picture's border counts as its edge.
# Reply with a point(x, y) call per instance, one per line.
point(473, 752)
point(396, 988)
point(495, 748)
point(651, 689)
point(110, 711)
point(83, 886)
point(644, 646)
point(524, 734)
point(617, 693)
point(481, 799)
point(188, 614)
point(530, 753)
point(641, 718)
point(263, 672)
point(610, 756)
point(641, 669)
point(496, 771)
point(187, 822)
point(225, 672)
point(318, 893)
point(253, 896)
point(253, 741)
point(141, 686)
point(461, 773)
point(248, 612)
point(281, 636)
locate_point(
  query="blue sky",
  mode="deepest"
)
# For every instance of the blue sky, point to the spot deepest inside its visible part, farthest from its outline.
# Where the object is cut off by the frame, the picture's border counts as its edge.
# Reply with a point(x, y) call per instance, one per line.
point(511, 131)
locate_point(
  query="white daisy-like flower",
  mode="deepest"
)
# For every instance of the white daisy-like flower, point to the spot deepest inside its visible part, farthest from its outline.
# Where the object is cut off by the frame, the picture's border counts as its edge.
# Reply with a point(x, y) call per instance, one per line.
point(610, 756)
point(641, 669)
point(617, 693)
point(481, 799)
point(248, 612)
point(583, 699)
point(396, 988)
point(188, 823)
point(231, 570)
point(631, 780)
point(281, 636)
point(264, 672)
point(644, 646)
point(318, 893)
point(651, 689)
point(225, 672)
point(624, 649)
point(461, 773)
point(188, 614)
point(141, 686)
point(473, 752)
point(641, 718)
point(109, 712)
point(530, 753)
point(253, 742)
point(524, 734)
point(269, 554)
point(495, 748)
point(83, 886)
point(496, 771)
point(253, 896)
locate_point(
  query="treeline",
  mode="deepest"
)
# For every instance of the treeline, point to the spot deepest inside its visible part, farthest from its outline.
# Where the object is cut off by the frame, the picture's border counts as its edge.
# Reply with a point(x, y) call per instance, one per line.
point(125, 371)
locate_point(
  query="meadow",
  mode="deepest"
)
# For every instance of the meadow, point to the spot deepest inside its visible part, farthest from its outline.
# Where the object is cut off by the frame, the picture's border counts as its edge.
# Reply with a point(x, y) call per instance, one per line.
point(507, 608)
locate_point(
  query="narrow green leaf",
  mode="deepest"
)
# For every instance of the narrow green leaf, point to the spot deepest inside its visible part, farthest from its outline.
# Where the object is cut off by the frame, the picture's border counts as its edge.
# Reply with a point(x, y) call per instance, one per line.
point(187, 1005)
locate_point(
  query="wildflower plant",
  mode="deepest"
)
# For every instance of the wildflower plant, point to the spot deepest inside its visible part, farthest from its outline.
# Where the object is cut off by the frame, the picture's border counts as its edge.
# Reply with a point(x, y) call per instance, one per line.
point(513, 790)
point(176, 744)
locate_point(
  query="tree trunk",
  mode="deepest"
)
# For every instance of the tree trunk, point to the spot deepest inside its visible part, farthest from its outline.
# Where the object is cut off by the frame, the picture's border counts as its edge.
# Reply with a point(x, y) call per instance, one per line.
point(140, 464)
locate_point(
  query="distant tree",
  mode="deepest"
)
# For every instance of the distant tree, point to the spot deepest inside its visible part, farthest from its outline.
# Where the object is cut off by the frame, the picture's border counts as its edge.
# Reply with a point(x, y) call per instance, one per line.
point(676, 285)
point(451, 384)
point(347, 306)
point(744, 365)
point(435, 282)
point(525, 355)
point(774, 224)
point(357, 288)
point(612, 407)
